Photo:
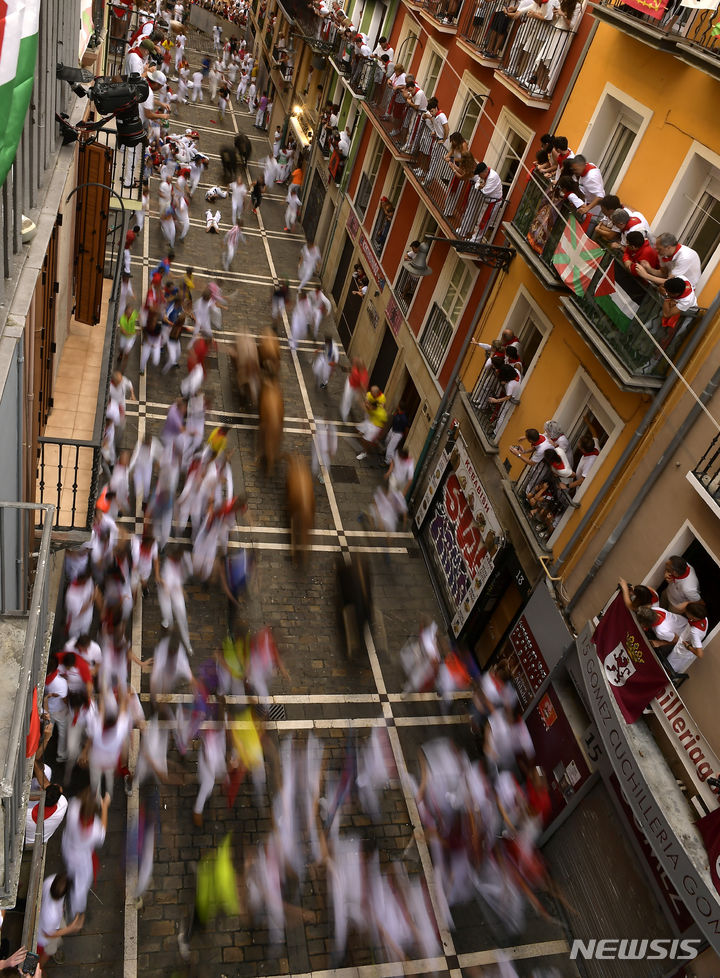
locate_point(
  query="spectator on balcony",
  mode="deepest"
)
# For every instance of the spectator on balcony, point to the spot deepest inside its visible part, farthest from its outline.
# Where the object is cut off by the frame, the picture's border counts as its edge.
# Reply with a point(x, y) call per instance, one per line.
point(543, 166)
point(537, 446)
point(568, 190)
point(561, 154)
point(488, 183)
point(637, 595)
point(689, 646)
point(383, 48)
point(566, 15)
point(664, 627)
point(676, 261)
point(417, 103)
point(558, 439)
point(679, 299)
point(497, 30)
point(397, 105)
point(626, 220)
point(459, 189)
point(512, 357)
point(591, 185)
point(526, 37)
point(638, 250)
point(589, 450)
point(437, 123)
point(504, 403)
point(682, 584)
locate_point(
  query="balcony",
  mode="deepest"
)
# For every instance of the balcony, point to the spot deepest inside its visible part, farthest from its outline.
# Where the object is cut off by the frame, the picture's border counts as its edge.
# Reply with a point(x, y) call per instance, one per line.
point(436, 337)
point(684, 32)
point(625, 333)
point(462, 210)
point(527, 55)
point(443, 15)
point(486, 414)
point(705, 477)
point(359, 74)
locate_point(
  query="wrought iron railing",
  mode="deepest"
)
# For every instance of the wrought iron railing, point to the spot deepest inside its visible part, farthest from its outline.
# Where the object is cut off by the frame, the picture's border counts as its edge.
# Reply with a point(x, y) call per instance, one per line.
point(380, 231)
point(486, 26)
point(678, 24)
point(467, 212)
point(436, 337)
point(544, 499)
point(631, 328)
point(535, 56)
point(405, 288)
point(17, 521)
point(487, 414)
point(445, 12)
point(707, 470)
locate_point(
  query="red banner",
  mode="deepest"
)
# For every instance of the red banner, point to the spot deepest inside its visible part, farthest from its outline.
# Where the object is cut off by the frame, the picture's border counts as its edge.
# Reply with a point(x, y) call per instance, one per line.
point(634, 674)
point(653, 8)
point(709, 828)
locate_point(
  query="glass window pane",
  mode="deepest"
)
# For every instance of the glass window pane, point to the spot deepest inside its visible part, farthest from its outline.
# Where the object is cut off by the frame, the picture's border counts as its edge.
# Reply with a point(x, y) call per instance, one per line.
point(703, 230)
point(615, 153)
point(470, 116)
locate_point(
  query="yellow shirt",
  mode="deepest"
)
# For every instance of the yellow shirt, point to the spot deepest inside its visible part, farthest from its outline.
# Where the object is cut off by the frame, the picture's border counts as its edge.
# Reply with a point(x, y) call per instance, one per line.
point(217, 441)
point(376, 410)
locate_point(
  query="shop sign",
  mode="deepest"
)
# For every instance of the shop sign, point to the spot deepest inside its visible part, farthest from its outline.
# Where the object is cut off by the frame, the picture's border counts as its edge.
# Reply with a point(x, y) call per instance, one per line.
point(463, 532)
point(691, 881)
point(533, 669)
point(696, 755)
point(371, 259)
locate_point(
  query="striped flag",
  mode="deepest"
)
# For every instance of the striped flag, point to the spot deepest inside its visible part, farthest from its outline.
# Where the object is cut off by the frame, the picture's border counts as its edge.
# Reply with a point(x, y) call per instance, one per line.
point(614, 300)
point(576, 257)
point(18, 53)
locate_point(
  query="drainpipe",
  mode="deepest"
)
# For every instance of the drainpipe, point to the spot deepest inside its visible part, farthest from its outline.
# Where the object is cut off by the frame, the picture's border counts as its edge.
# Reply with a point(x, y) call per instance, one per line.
point(434, 433)
point(621, 464)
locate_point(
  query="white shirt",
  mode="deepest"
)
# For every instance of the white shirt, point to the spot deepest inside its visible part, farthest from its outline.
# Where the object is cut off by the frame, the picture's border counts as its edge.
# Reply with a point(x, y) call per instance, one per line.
point(437, 124)
point(51, 912)
point(684, 588)
point(586, 463)
point(133, 63)
point(681, 658)
point(591, 185)
point(50, 823)
point(492, 187)
point(107, 744)
point(685, 263)
point(688, 301)
point(670, 626)
point(147, 106)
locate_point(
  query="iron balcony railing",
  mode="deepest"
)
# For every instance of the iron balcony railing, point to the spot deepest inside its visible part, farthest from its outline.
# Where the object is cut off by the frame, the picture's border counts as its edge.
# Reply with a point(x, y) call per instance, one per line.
point(445, 12)
point(544, 498)
point(467, 213)
point(530, 52)
point(405, 288)
point(631, 330)
point(707, 471)
point(17, 522)
point(488, 415)
point(678, 25)
point(436, 337)
point(486, 26)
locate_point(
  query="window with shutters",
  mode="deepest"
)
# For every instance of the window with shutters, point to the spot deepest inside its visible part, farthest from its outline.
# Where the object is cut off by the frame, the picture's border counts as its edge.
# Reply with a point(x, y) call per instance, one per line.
point(613, 135)
point(429, 77)
point(367, 180)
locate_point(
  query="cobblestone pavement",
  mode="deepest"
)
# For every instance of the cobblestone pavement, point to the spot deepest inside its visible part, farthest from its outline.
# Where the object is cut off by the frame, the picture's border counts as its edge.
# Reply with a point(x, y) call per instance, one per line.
point(326, 693)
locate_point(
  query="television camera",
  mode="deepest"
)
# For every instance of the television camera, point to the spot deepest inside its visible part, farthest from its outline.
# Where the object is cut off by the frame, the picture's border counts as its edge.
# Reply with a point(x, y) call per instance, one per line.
point(118, 97)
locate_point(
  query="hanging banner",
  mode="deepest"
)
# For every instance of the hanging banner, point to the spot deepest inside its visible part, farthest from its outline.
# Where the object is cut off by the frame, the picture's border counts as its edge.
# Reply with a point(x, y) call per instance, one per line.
point(463, 533)
point(634, 674)
point(653, 8)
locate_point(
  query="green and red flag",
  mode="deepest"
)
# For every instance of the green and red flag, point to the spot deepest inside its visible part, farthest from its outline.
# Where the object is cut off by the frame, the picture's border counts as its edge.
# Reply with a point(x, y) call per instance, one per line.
point(18, 54)
point(614, 301)
point(576, 257)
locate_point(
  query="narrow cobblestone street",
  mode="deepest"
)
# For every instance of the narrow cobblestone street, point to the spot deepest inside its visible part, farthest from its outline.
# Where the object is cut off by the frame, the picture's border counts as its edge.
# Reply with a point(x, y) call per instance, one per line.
point(326, 694)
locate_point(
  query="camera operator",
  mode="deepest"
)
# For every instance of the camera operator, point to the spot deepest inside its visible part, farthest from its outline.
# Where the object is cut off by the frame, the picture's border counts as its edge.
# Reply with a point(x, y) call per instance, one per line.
point(152, 113)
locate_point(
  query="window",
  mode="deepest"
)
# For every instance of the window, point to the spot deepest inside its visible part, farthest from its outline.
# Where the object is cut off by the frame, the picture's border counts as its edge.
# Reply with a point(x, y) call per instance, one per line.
point(702, 231)
point(531, 328)
point(613, 135)
point(689, 544)
point(444, 316)
point(691, 209)
point(432, 73)
point(508, 146)
point(469, 116)
point(457, 292)
point(406, 283)
point(385, 215)
point(367, 180)
point(405, 51)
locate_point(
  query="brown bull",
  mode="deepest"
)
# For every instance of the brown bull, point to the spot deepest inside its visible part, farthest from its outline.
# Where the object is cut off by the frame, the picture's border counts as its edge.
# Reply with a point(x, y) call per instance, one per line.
point(300, 504)
point(269, 352)
point(244, 356)
point(272, 415)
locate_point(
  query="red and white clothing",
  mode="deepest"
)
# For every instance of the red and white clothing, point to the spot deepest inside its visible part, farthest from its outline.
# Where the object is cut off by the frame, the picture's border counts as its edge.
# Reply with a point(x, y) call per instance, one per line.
point(540, 446)
point(107, 745)
point(668, 624)
point(683, 588)
point(51, 820)
point(562, 469)
point(591, 186)
point(688, 299)
point(637, 222)
point(78, 675)
point(683, 263)
point(52, 913)
point(682, 657)
point(645, 253)
point(587, 460)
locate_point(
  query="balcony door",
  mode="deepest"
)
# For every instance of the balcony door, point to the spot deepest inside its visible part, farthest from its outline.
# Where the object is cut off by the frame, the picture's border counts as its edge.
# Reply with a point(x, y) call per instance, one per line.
point(385, 360)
